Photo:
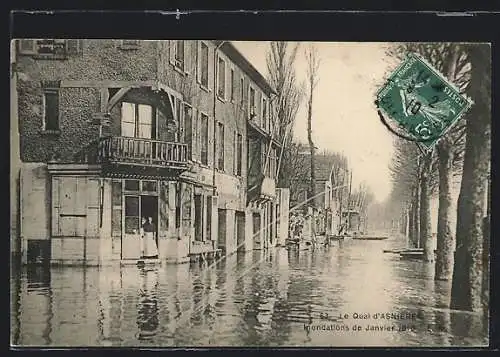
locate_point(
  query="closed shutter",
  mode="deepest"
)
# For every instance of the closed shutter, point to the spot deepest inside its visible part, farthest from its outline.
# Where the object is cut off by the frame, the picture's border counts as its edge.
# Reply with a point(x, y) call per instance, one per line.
point(163, 203)
point(67, 199)
point(215, 217)
point(210, 149)
point(93, 207)
point(195, 155)
point(186, 205)
point(188, 61)
point(56, 231)
point(198, 61)
point(116, 209)
point(73, 47)
point(171, 52)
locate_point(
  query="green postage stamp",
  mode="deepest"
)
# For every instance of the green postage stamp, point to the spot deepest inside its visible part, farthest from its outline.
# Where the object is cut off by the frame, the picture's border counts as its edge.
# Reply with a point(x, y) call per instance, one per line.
point(421, 100)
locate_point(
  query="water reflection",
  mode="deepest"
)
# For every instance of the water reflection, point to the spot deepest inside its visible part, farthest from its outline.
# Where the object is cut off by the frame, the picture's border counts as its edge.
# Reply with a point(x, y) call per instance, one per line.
point(147, 309)
point(256, 298)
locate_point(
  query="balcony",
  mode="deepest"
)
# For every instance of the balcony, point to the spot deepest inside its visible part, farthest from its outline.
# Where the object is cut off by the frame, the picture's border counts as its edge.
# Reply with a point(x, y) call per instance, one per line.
point(142, 153)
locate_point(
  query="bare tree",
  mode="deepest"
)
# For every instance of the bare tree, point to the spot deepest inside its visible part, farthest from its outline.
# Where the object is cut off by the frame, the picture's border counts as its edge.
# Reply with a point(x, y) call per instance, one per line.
point(312, 80)
point(470, 272)
point(451, 60)
point(280, 61)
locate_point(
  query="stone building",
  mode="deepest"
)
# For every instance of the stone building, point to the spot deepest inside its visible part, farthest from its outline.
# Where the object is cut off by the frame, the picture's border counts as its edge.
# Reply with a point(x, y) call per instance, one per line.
point(111, 131)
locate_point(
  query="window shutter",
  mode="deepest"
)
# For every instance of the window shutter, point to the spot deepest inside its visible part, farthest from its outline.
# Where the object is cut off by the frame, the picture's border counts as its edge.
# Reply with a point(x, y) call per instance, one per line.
point(211, 83)
point(194, 135)
point(73, 47)
point(171, 52)
point(187, 57)
point(27, 46)
point(55, 206)
point(210, 149)
point(92, 207)
point(198, 61)
point(215, 218)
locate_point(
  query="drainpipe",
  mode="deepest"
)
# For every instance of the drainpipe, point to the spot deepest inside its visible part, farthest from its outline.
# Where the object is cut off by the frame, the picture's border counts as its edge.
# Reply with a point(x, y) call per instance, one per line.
point(215, 120)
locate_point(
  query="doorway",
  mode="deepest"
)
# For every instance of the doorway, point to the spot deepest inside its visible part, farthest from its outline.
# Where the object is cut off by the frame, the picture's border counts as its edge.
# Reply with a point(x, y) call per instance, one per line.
point(240, 231)
point(256, 230)
point(198, 217)
point(149, 208)
point(222, 225)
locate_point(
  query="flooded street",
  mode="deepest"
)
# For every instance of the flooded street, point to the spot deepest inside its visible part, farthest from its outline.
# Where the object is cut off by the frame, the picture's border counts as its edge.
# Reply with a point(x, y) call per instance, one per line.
point(272, 298)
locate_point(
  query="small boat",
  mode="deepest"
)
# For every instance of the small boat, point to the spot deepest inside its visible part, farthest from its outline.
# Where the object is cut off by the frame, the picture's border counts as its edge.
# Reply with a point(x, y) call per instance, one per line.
point(148, 261)
point(398, 251)
point(370, 237)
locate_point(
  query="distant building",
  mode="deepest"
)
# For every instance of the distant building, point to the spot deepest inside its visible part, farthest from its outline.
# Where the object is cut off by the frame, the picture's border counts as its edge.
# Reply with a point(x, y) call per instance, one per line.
point(326, 207)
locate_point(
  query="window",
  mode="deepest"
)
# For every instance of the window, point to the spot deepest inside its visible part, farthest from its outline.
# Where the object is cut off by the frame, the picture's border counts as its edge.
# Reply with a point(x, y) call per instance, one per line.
point(232, 85)
point(137, 120)
point(239, 153)
point(204, 139)
point(264, 113)
point(188, 132)
point(131, 214)
point(178, 200)
point(51, 109)
point(204, 65)
point(208, 233)
point(242, 90)
point(179, 54)
point(50, 48)
point(251, 103)
point(221, 82)
point(220, 146)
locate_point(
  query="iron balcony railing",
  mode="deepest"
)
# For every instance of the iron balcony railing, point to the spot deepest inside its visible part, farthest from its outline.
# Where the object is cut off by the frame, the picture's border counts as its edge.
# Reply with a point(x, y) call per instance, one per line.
point(144, 152)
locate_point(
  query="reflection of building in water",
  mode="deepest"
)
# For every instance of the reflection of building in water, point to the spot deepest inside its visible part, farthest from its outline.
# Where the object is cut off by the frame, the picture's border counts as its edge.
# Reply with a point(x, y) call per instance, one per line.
point(147, 309)
point(110, 306)
point(75, 295)
point(35, 316)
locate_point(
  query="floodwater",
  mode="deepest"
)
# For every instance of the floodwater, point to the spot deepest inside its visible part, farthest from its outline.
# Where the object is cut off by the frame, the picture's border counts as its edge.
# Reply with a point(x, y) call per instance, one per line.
point(325, 297)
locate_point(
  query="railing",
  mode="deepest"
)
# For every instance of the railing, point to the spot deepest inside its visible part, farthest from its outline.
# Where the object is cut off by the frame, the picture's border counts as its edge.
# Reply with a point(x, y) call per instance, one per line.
point(145, 152)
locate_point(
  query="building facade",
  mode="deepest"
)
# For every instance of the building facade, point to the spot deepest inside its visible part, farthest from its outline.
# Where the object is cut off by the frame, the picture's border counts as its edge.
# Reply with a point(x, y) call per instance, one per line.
point(112, 131)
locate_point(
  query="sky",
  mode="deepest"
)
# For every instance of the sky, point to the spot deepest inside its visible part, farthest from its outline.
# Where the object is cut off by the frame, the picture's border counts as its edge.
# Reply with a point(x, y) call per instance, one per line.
point(344, 115)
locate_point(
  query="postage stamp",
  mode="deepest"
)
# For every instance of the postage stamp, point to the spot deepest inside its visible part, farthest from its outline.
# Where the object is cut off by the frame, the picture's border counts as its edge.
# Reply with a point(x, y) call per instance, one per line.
point(421, 100)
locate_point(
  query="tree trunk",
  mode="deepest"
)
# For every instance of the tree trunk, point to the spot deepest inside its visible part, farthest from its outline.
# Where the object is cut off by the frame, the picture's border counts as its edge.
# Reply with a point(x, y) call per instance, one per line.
point(425, 211)
point(312, 189)
point(445, 239)
point(416, 217)
point(466, 293)
point(411, 228)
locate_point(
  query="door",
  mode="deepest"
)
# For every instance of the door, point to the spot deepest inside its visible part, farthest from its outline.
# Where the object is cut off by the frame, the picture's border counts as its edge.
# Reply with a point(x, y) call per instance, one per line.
point(131, 243)
point(221, 238)
point(149, 208)
point(240, 230)
point(256, 230)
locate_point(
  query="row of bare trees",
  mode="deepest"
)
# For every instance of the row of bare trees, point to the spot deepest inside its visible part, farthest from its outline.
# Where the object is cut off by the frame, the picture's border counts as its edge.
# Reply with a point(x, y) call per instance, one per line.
point(281, 59)
point(465, 151)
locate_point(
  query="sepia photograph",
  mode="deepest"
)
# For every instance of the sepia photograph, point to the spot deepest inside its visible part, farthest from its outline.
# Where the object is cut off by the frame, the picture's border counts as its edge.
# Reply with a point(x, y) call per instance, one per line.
point(216, 193)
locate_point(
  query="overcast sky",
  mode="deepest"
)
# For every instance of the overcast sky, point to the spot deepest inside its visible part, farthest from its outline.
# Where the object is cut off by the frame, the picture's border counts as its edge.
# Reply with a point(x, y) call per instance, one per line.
point(344, 116)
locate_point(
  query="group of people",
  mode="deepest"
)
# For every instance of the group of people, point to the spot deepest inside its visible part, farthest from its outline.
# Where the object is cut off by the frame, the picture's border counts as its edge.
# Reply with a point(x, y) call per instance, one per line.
point(148, 231)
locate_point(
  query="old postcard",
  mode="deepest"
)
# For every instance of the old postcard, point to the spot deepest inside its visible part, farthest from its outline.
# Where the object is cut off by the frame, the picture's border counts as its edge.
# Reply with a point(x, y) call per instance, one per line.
point(206, 193)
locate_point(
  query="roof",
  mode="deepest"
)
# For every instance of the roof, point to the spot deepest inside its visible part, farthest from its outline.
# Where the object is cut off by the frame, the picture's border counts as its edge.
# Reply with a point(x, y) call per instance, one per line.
point(234, 54)
point(323, 165)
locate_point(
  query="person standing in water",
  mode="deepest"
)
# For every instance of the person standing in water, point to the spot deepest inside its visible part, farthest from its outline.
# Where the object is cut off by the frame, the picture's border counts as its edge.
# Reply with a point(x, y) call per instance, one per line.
point(150, 250)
